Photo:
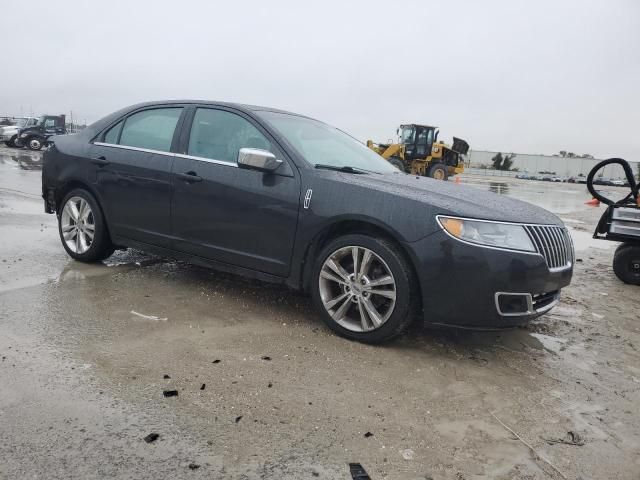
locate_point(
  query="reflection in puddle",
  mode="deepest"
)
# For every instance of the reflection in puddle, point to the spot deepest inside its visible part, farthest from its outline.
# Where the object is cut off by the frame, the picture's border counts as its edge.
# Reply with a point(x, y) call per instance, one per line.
point(499, 187)
point(25, 161)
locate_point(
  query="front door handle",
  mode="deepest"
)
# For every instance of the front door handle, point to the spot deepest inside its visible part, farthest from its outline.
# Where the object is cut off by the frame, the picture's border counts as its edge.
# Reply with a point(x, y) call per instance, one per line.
point(100, 161)
point(189, 177)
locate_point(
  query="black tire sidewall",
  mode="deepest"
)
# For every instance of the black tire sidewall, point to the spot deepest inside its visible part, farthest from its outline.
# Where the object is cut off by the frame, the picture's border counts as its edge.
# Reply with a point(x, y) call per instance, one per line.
point(101, 246)
point(404, 310)
point(621, 259)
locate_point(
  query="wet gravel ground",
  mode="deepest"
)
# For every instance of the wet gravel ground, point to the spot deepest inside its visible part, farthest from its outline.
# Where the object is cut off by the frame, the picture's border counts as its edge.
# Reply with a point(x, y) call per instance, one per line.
point(266, 391)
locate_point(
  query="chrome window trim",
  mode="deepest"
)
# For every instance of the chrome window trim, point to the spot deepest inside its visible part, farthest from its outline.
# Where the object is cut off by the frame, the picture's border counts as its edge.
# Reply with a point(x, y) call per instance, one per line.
point(208, 160)
point(168, 154)
point(135, 149)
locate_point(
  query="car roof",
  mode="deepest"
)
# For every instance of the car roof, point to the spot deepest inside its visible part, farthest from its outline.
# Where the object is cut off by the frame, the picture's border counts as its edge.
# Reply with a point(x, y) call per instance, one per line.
point(213, 103)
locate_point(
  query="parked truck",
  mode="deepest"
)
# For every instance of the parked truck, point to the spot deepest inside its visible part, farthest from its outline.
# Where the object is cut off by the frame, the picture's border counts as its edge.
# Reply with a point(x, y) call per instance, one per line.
point(10, 128)
point(35, 137)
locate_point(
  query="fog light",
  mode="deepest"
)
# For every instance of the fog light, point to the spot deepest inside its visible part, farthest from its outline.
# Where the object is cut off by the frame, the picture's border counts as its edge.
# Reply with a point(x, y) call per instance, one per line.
point(509, 304)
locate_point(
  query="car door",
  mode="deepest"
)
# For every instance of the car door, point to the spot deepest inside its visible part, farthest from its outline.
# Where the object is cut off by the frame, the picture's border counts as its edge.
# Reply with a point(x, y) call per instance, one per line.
point(131, 168)
point(221, 212)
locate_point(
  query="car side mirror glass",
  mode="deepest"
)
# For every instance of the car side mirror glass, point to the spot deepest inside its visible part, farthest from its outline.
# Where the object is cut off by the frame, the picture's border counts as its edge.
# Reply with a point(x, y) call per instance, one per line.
point(256, 159)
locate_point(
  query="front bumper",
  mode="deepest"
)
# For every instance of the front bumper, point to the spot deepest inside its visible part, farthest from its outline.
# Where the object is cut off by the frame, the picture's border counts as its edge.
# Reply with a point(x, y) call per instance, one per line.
point(460, 283)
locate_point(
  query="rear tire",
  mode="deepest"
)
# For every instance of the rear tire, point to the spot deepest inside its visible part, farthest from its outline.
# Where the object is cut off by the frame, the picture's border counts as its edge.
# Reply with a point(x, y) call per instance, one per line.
point(82, 228)
point(438, 171)
point(372, 303)
point(626, 263)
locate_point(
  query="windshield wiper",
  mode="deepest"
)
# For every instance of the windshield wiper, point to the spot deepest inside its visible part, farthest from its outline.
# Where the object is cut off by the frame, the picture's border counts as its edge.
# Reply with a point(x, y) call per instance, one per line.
point(345, 169)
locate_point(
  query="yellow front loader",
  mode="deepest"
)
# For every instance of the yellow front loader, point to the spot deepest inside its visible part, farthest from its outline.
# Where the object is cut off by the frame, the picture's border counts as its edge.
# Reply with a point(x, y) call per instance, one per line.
point(420, 153)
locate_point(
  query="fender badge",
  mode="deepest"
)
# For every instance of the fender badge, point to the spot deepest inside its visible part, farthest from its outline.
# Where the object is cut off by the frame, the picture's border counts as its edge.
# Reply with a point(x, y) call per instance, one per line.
point(307, 199)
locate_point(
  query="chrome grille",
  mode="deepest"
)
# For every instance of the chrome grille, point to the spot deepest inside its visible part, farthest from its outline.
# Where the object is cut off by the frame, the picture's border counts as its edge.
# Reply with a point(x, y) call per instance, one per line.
point(553, 243)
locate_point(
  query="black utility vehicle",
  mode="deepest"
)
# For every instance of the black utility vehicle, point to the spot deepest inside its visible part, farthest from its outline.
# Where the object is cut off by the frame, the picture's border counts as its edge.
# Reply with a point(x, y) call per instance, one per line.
point(285, 198)
point(35, 137)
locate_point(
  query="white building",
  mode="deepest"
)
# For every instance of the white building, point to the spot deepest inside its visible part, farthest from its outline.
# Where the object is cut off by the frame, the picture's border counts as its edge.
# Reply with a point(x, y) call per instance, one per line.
point(535, 164)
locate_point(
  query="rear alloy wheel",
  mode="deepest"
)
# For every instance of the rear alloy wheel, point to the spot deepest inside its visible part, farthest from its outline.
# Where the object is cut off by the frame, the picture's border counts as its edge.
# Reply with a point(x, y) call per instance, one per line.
point(82, 228)
point(363, 288)
point(34, 143)
point(438, 171)
point(626, 263)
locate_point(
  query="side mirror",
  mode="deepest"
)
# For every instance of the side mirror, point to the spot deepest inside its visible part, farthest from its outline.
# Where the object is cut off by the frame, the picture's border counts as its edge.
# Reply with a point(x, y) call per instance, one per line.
point(256, 159)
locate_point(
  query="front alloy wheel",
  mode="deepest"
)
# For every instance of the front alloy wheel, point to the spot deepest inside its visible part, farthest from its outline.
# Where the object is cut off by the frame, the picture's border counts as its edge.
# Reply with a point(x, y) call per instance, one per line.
point(364, 288)
point(357, 289)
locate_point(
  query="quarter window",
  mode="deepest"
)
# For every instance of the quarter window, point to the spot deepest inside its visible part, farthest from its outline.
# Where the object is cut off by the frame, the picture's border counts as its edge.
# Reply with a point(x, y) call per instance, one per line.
point(219, 135)
point(152, 129)
point(112, 134)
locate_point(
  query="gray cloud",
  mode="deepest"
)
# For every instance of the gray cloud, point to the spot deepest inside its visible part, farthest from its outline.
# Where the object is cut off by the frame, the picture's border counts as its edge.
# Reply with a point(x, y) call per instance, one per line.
point(533, 77)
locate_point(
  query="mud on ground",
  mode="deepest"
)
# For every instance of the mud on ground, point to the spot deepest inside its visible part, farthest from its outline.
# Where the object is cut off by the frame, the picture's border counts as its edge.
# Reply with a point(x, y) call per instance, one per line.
point(266, 391)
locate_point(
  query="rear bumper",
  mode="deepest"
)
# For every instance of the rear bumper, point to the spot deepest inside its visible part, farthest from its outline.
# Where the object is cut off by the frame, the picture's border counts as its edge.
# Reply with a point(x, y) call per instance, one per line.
point(462, 284)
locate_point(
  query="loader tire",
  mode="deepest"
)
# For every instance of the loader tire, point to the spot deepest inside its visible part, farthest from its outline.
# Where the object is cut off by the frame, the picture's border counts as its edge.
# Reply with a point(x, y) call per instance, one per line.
point(438, 171)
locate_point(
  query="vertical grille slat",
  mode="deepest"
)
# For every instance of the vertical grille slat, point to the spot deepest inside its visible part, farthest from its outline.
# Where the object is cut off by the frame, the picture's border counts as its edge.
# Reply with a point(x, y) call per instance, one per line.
point(553, 243)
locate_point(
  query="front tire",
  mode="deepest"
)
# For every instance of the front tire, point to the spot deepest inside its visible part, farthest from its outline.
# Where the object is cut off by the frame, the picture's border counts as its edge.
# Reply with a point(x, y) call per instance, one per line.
point(34, 143)
point(626, 263)
point(438, 171)
point(364, 289)
point(82, 228)
point(11, 143)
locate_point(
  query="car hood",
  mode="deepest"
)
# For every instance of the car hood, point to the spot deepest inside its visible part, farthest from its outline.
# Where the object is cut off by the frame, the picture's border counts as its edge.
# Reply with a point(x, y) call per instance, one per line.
point(455, 199)
point(8, 128)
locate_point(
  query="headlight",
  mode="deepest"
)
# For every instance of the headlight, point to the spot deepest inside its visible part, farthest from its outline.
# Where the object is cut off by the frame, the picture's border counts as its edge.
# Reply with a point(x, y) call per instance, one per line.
point(490, 234)
point(24, 135)
point(436, 149)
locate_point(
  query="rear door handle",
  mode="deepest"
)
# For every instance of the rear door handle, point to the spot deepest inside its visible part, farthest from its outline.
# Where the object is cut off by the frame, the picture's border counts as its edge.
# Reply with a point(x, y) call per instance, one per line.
point(100, 161)
point(189, 177)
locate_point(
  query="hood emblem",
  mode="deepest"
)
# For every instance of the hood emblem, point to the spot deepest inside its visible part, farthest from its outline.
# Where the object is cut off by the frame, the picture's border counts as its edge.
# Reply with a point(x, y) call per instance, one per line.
point(307, 198)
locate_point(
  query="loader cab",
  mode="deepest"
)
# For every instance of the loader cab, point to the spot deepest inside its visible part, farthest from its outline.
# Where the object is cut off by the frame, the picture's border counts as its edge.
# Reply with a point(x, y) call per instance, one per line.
point(418, 140)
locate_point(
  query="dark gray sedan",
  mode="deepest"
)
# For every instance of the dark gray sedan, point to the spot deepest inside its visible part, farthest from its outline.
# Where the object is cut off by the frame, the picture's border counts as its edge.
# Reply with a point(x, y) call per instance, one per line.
point(284, 198)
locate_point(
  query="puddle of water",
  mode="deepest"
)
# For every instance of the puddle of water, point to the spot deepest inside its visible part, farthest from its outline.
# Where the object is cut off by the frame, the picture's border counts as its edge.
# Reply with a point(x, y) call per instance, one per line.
point(571, 220)
point(24, 161)
point(552, 344)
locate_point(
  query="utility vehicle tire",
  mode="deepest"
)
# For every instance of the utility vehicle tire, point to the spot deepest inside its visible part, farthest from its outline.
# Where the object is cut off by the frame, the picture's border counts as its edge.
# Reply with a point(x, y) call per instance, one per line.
point(11, 142)
point(82, 228)
point(626, 263)
point(364, 289)
point(438, 171)
point(396, 162)
point(34, 143)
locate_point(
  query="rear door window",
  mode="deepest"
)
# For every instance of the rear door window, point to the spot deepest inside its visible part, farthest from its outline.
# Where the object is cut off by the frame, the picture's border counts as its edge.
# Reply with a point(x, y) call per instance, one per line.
point(113, 133)
point(219, 135)
point(151, 129)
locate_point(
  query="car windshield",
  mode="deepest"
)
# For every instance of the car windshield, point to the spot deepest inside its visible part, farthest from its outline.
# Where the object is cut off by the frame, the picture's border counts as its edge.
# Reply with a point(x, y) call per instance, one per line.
point(323, 145)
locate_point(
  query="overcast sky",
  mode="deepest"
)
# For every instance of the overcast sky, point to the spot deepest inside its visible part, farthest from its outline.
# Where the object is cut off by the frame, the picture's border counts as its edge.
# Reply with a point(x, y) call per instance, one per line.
point(522, 76)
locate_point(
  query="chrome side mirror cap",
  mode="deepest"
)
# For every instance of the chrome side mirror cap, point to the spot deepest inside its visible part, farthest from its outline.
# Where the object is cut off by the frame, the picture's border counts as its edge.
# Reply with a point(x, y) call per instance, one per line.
point(256, 159)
